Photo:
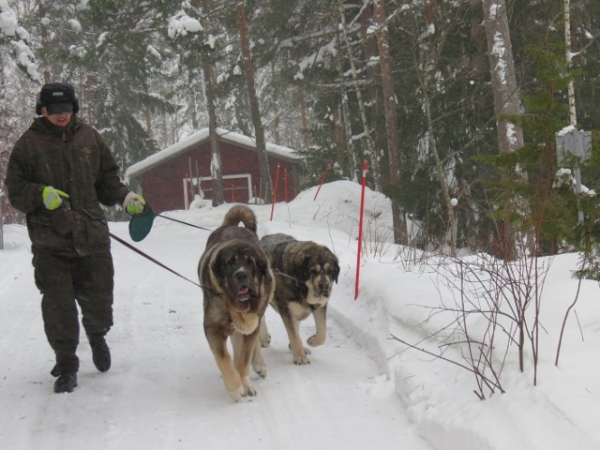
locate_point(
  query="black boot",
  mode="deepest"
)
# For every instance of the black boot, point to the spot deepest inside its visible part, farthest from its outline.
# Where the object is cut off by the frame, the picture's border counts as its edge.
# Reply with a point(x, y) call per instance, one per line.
point(66, 382)
point(100, 352)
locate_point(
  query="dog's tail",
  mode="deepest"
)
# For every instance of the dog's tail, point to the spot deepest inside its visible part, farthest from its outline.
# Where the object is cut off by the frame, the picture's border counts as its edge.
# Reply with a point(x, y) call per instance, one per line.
point(240, 213)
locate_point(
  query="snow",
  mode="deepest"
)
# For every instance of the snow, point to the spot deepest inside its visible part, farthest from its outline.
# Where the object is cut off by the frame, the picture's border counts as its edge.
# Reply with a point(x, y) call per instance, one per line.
point(82, 5)
point(8, 21)
point(499, 51)
point(363, 389)
point(314, 59)
point(566, 130)
point(75, 25)
point(182, 24)
point(19, 38)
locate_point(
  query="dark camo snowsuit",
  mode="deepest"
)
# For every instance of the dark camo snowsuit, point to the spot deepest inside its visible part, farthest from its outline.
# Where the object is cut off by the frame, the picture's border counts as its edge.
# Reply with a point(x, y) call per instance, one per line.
point(71, 245)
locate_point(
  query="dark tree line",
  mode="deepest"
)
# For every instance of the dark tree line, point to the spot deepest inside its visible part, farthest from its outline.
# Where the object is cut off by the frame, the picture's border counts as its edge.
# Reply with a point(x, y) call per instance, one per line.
point(423, 91)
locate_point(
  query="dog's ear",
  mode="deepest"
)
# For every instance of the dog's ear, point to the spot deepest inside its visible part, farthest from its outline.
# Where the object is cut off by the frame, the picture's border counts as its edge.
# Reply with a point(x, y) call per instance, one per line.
point(217, 265)
point(305, 266)
point(336, 270)
point(214, 267)
point(263, 268)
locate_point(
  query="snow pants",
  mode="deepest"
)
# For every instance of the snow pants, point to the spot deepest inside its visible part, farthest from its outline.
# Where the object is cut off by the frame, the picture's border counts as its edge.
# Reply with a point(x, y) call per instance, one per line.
point(66, 282)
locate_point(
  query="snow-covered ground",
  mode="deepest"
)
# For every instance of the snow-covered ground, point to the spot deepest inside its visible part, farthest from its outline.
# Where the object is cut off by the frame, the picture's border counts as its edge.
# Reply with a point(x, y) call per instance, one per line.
point(363, 389)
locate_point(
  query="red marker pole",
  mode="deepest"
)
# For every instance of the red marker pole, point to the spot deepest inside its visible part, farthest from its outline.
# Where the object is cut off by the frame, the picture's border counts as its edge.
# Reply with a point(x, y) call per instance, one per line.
point(322, 180)
point(275, 190)
point(285, 184)
point(360, 227)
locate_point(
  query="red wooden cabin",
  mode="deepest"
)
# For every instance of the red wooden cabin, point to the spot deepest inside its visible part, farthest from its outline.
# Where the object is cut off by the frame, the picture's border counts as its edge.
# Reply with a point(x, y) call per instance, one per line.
point(170, 178)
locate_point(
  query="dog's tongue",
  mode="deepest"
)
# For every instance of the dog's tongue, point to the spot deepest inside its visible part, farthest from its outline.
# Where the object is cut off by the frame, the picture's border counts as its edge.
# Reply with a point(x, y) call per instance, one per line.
point(244, 293)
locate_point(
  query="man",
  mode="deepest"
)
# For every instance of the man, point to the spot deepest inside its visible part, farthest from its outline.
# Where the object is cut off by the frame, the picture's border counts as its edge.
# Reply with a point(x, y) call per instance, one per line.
point(58, 174)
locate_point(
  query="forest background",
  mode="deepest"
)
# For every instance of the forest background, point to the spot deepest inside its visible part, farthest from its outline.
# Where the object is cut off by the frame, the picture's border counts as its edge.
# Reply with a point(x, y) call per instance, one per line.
point(455, 105)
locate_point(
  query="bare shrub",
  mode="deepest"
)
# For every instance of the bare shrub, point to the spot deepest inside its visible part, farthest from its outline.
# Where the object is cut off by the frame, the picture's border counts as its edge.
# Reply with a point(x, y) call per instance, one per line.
point(493, 305)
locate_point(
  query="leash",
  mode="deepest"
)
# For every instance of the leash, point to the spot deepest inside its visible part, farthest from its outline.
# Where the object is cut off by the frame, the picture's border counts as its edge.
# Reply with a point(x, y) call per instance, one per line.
point(184, 223)
point(148, 257)
point(285, 275)
point(138, 251)
point(158, 263)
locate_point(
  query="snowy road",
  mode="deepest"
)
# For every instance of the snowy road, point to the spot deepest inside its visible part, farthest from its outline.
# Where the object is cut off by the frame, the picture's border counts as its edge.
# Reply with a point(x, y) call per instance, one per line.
point(164, 390)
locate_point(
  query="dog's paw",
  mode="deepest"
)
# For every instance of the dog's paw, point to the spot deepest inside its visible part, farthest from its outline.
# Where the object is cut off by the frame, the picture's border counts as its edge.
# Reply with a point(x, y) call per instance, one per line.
point(237, 393)
point(301, 360)
point(260, 369)
point(306, 350)
point(265, 341)
point(313, 341)
point(249, 391)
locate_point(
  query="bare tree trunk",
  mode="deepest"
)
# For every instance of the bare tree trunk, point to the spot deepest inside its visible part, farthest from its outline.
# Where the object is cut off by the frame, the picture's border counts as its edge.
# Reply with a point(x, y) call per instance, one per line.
point(340, 146)
point(506, 102)
point(428, 86)
point(193, 98)
point(261, 147)
point(504, 80)
point(45, 42)
point(390, 104)
point(349, 162)
point(372, 92)
point(216, 166)
point(361, 106)
point(276, 134)
point(86, 98)
point(148, 119)
point(571, 87)
point(304, 117)
point(439, 165)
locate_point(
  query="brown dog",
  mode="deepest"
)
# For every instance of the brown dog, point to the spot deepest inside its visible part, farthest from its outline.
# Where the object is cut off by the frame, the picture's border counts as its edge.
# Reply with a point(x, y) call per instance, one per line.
point(238, 284)
point(304, 275)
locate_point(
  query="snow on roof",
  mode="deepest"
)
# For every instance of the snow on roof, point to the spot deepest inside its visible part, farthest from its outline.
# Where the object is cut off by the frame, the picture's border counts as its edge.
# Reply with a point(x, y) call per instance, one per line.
point(197, 137)
point(566, 130)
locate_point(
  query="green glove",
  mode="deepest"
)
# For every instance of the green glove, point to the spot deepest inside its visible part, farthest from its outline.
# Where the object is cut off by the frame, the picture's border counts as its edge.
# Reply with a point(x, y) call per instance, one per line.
point(52, 197)
point(133, 203)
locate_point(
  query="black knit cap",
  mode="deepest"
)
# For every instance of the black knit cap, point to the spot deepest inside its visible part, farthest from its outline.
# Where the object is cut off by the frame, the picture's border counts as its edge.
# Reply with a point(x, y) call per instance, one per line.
point(57, 98)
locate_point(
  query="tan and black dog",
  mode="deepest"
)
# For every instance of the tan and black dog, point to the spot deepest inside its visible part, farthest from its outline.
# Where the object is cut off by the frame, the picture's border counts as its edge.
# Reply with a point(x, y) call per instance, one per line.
point(238, 285)
point(304, 274)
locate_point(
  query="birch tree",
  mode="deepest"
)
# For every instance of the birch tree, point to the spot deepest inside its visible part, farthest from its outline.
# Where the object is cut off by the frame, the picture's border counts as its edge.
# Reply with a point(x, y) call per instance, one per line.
point(569, 56)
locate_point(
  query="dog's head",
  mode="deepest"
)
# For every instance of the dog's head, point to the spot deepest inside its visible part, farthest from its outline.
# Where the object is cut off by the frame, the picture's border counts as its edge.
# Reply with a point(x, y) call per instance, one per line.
point(319, 269)
point(244, 272)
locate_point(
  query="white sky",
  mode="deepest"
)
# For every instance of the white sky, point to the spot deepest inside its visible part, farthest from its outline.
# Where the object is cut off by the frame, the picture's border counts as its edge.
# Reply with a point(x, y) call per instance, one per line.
point(362, 390)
